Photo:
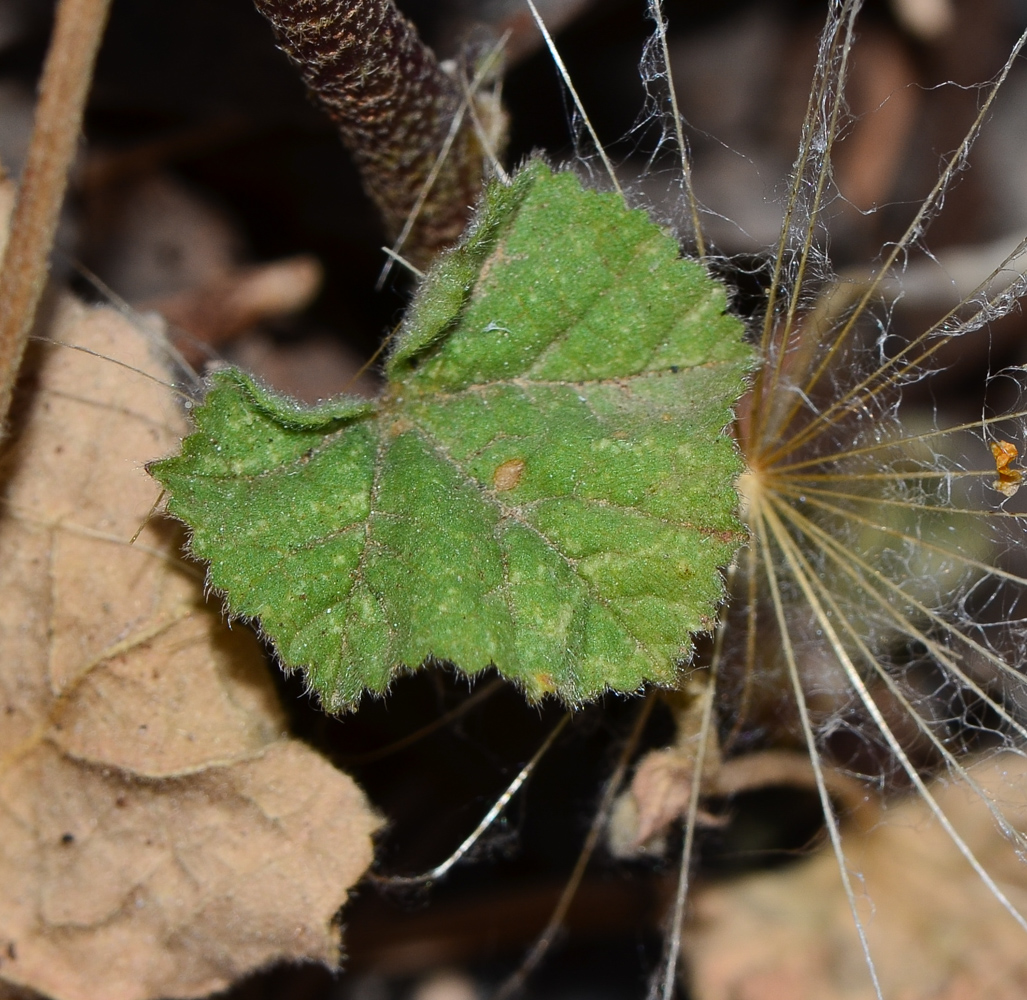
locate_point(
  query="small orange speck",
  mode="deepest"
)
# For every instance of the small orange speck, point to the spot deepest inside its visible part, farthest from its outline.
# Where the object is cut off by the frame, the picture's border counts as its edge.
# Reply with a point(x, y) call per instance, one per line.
point(1009, 480)
point(508, 475)
point(545, 682)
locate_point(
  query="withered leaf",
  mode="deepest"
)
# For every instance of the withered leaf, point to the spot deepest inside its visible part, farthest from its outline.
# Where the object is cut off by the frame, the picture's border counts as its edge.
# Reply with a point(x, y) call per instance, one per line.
point(933, 928)
point(160, 834)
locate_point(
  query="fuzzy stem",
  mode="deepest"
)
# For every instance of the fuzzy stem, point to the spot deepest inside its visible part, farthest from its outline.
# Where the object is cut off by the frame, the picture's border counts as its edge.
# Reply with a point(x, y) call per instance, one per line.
point(64, 85)
point(394, 108)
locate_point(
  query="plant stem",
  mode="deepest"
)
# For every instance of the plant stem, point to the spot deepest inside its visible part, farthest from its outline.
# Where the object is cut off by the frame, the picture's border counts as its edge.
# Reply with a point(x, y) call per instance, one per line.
point(63, 87)
point(394, 108)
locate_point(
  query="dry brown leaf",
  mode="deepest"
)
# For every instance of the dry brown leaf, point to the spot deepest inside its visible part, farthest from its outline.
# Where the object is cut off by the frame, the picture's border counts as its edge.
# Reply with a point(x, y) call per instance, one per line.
point(160, 835)
point(231, 302)
point(662, 788)
point(933, 927)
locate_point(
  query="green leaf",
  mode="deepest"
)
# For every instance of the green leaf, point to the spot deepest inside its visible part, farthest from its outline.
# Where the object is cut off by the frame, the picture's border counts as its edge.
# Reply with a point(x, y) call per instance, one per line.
point(546, 485)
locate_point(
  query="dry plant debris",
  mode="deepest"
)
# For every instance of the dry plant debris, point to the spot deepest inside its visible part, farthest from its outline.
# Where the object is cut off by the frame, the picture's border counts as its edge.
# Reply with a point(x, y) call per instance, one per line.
point(511, 19)
point(933, 927)
point(664, 784)
point(160, 835)
point(236, 300)
point(164, 248)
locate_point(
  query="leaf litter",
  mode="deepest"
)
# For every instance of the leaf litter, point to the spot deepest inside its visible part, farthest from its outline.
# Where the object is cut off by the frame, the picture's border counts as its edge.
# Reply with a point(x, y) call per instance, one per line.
point(799, 570)
point(933, 927)
point(160, 833)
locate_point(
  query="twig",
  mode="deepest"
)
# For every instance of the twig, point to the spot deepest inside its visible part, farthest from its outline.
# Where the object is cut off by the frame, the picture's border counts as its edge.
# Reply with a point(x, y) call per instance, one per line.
point(64, 85)
point(487, 820)
point(515, 982)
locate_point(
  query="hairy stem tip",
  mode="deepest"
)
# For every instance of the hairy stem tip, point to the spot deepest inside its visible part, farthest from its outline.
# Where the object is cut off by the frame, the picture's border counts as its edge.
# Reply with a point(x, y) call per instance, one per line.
point(395, 109)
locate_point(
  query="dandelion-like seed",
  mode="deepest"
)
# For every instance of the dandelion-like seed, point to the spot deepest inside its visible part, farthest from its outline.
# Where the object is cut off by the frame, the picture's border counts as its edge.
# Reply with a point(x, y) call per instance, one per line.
point(875, 618)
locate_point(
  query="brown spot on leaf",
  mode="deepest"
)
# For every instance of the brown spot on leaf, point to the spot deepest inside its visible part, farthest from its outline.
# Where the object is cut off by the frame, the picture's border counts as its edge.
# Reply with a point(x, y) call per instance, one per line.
point(508, 475)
